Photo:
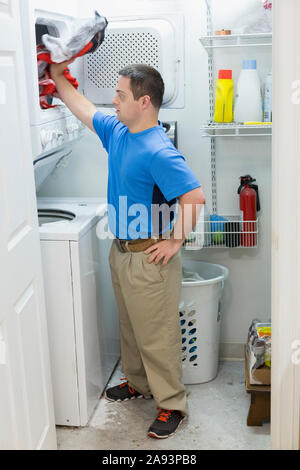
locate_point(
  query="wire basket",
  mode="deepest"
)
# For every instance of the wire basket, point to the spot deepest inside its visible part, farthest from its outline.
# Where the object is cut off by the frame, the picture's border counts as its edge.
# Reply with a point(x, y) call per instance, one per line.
point(228, 231)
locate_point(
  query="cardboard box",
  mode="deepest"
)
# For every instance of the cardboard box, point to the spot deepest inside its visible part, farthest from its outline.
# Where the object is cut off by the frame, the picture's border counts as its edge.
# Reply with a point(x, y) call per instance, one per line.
point(261, 376)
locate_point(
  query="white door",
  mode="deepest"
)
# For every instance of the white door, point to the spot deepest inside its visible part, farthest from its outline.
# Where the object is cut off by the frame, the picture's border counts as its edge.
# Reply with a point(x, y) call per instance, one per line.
point(285, 397)
point(26, 405)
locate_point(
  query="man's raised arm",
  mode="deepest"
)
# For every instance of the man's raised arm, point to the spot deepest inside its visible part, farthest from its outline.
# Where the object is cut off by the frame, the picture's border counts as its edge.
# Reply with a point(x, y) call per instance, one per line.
point(81, 107)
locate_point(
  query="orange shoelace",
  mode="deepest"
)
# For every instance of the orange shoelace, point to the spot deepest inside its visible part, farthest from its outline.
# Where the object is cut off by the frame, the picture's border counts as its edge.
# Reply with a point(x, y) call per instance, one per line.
point(164, 415)
point(126, 383)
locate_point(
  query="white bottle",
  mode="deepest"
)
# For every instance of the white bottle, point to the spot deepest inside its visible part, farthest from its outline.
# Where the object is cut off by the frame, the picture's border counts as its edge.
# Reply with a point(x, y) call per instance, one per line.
point(248, 100)
point(268, 98)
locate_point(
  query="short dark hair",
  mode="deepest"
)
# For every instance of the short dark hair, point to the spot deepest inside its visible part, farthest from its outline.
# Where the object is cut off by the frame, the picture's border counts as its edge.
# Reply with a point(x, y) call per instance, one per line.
point(145, 80)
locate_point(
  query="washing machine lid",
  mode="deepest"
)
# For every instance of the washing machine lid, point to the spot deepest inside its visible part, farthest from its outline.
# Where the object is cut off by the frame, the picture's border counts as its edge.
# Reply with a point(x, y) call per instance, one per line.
point(46, 164)
point(68, 218)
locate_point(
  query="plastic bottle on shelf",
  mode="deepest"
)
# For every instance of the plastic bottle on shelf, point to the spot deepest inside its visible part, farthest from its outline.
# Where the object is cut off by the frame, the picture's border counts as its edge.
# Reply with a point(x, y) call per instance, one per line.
point(268, 98)
point(248, 100)
point(224, 97)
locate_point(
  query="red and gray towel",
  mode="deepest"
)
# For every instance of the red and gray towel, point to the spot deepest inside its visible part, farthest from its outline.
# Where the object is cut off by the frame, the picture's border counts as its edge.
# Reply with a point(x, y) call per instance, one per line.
point(85, 38)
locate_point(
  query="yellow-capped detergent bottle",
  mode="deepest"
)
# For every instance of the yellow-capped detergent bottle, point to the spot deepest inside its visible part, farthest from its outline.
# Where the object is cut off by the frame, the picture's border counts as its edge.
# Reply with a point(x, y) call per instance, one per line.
point(224, 97)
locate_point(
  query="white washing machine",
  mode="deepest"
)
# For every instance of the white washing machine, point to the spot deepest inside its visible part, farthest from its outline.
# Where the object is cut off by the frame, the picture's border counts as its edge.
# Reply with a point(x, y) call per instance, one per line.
point(82, 315)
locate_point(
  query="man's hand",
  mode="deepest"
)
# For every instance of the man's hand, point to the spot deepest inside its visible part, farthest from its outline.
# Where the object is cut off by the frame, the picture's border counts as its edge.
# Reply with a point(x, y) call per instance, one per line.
point(58, 69)
point(190, 205)
point(164, 249)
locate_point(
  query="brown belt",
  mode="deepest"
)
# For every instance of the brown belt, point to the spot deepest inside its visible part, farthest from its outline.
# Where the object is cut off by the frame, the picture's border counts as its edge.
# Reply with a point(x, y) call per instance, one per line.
point(136, 246)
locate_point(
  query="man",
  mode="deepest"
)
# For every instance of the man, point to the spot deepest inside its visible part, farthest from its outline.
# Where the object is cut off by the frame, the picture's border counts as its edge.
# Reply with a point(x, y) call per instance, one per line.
point(146, 170)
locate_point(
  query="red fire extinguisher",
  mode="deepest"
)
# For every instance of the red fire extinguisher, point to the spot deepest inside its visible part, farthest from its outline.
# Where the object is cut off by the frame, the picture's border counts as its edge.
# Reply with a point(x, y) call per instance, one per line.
point(249, 205)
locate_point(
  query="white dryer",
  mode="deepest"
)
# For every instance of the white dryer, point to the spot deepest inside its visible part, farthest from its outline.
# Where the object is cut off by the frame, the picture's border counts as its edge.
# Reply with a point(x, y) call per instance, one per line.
point(53, 130)
point(82, 315)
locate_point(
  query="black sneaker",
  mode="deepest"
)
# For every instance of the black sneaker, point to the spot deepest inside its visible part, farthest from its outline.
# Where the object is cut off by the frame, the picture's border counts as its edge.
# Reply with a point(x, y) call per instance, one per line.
point(123, 392)
point(166, 424)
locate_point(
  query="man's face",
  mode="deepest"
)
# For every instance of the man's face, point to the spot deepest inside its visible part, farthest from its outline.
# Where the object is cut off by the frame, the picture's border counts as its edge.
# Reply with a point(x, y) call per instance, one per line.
point(128, 110)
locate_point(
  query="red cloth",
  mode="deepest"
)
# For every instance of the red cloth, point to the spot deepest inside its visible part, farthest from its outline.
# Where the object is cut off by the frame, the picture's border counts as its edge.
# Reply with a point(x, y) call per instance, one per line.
point(46, 84)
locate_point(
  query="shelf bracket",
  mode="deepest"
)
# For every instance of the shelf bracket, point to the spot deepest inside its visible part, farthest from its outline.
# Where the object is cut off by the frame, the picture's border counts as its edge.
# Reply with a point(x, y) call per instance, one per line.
point(211, 111)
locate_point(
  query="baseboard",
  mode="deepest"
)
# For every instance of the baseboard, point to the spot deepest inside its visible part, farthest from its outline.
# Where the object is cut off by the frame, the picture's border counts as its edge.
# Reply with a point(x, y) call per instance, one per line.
point(232, 351)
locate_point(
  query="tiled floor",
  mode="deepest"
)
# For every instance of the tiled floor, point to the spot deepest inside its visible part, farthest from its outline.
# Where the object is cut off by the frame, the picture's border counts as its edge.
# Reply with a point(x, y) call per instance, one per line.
point(218, 413)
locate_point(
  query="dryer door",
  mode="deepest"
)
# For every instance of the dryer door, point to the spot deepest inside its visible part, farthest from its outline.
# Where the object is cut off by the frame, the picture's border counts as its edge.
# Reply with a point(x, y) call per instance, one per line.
point(155, 41)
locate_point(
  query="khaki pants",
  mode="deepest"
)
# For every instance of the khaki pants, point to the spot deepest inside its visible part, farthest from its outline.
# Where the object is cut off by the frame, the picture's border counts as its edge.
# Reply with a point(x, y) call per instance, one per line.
point(148, 296)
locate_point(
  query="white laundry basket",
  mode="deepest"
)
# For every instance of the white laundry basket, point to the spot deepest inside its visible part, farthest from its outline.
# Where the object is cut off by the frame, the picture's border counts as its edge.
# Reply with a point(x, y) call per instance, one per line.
point(200, 320)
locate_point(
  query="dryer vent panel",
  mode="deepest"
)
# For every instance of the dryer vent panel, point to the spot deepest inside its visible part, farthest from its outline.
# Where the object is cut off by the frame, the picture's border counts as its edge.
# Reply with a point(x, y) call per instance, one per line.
point(139, 41)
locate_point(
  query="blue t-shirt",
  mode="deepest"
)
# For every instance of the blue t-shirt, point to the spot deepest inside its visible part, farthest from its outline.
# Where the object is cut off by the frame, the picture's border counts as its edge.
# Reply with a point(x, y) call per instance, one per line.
point(146, 176)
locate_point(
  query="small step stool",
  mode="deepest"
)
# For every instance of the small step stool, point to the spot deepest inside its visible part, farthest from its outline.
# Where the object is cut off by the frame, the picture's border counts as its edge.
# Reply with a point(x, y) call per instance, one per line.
point(260, 406)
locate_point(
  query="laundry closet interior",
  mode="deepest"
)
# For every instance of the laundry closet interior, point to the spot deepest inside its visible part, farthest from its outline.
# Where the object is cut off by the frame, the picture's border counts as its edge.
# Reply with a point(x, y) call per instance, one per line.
point(189, 42)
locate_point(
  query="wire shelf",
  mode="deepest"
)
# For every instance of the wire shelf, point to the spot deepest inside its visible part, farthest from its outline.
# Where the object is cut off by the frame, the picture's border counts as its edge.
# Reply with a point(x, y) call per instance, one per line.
point(236, 40)
point(235, 129)
point(228, 231)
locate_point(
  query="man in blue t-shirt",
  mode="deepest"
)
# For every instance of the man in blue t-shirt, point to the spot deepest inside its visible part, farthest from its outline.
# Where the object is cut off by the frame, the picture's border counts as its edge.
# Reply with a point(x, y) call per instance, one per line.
point(147, 176)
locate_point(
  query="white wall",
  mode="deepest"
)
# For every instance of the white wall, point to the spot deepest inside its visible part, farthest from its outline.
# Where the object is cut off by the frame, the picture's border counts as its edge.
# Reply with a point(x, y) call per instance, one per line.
point(247, 292)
